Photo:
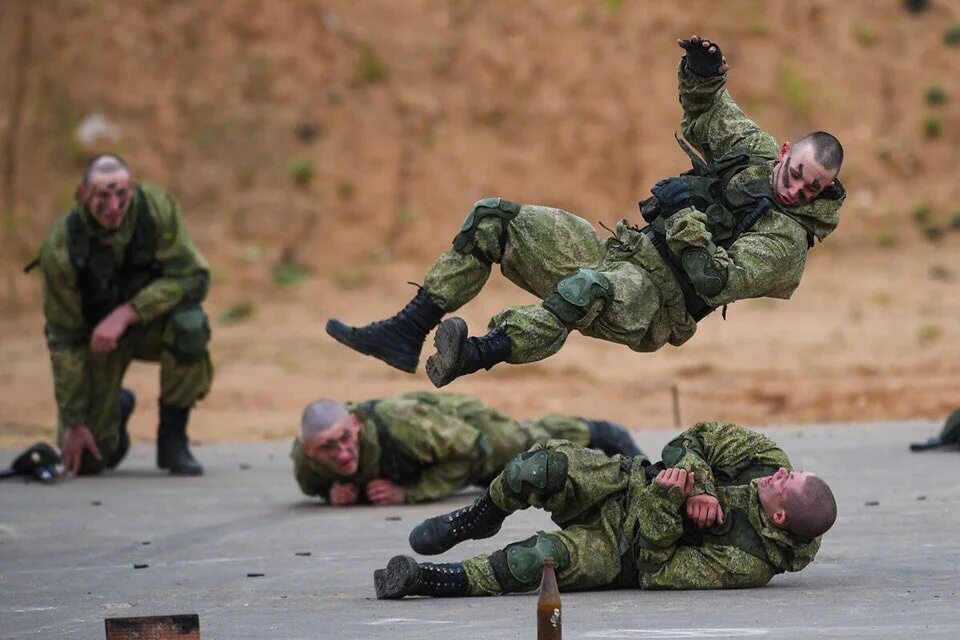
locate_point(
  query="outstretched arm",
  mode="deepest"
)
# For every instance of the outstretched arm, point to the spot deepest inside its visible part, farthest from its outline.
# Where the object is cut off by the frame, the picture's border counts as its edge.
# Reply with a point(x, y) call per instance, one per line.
point(711, 119)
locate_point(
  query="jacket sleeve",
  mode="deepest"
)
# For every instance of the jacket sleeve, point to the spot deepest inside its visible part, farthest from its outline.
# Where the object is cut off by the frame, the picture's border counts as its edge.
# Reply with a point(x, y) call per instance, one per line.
point(185, 272)
point(767, 261)
point(712, 119)
point(708, 566)
point(714, 445)
point(311, 483)
point(447, 446)
point(659, 525)
point(67, 334)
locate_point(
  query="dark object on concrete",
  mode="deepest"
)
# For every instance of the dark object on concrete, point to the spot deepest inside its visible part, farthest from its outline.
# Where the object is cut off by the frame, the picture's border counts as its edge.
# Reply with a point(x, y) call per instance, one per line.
point(871, 503)
point(38, 462)
point(179, 627)
point(173, 448)
point(255, 575)
point(244, 466)
point(482, 519)
point(393, 518)
point(404, 576)
point(302, 553)
point(145, 542)
point(932, 443)
point(96, 503)
point(141, 566)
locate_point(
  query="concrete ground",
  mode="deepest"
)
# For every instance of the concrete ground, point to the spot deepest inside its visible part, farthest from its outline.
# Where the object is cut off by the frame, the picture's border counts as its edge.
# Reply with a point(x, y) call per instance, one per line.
point(889, 568)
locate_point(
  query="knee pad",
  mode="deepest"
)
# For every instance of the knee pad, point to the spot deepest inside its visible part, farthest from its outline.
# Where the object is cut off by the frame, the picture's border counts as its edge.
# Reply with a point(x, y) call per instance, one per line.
point(574, 294)
point(543, 471)
point(518, 566)
point(506, 210)
point(187, 333)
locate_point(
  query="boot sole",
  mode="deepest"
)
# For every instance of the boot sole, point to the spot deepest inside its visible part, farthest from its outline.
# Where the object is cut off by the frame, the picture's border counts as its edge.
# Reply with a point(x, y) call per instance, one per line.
point(342, 333)
point(399, 579)
point(442, 367)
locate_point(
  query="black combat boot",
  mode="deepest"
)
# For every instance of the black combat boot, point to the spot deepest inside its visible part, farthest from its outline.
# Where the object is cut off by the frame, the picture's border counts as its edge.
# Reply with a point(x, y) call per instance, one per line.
point(127, 402)
point(612, 438)
point(397, 340)
point(481, 519)
point(404, 576)
point(173, 447)
point(458, 354)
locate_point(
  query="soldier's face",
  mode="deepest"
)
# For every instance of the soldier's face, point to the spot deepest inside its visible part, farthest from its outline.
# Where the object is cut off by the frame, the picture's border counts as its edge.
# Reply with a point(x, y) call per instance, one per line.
point(337, 447)
point(108, 197)
point(797, 176)
point(776, 490)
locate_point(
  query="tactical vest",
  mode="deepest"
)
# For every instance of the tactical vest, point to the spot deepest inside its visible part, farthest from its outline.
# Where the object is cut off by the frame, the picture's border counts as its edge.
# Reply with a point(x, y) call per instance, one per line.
point(396, 464)
point(730, 211)
point(104, 283)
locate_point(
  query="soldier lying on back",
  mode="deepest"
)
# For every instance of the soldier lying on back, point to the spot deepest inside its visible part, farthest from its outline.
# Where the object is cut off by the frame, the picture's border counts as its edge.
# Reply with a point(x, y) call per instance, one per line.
point(738, 226)
point(724, 509)
point(423, 446)
point(122, 281)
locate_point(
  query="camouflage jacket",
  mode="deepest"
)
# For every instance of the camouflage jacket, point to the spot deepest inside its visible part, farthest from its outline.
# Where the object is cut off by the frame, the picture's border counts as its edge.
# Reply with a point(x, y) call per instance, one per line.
point(767, 260)
point(747, 550)
point(436, 444)
point(183, 270)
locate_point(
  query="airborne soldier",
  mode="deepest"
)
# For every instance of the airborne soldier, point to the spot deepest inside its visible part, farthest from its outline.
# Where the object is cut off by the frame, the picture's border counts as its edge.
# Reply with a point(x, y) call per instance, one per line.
point(738, 225)
point(123, 281)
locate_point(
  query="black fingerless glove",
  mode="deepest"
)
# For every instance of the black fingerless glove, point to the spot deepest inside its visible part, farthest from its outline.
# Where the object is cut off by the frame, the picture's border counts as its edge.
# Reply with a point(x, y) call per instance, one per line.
point(672, 194)
point(699, 59)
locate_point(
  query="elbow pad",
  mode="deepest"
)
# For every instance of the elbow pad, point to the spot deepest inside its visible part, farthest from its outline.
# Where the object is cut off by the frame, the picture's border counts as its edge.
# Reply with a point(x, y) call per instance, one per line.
point(707, 278)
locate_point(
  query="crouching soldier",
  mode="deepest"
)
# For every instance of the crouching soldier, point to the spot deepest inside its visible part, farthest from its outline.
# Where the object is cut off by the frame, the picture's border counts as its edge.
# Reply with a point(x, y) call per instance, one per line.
point(423, 446)
point(723, 510)
point(123, 281)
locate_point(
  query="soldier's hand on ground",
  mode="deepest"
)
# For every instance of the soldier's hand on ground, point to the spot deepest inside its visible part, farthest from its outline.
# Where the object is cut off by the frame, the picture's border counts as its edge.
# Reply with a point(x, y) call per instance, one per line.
point(77, 440)
point(382, 491)
point(106, 335)
point(704, 57)
point(704, 510)
point(676, 477)
point(344, 493)
point(673, 194)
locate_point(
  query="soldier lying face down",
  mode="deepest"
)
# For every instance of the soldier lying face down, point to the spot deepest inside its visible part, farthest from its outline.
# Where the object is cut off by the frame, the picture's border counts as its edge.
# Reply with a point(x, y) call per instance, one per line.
point(423, 446)
point(724, 509)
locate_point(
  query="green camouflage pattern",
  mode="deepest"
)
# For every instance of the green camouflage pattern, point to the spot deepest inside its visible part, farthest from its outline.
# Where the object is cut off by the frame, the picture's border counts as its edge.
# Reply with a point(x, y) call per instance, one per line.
point(456, 439)
point(86, 386)
point(769, 259)
point(544, 245)
point(623, 530)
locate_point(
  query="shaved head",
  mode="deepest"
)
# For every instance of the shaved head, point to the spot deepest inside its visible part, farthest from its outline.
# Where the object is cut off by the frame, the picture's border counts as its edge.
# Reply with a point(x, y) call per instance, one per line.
point(812, 511)
point(826, 148)
point(105, 163)
point(319, 416)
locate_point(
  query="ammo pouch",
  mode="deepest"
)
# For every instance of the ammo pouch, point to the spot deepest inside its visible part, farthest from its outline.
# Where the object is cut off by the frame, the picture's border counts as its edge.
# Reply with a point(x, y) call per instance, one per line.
point(187, 333)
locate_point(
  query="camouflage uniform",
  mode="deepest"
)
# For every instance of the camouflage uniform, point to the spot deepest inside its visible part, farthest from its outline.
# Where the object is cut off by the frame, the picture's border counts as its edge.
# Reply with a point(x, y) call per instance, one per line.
point(433, 444)
point(628, 294)
point(172, 330)
point(619, 528)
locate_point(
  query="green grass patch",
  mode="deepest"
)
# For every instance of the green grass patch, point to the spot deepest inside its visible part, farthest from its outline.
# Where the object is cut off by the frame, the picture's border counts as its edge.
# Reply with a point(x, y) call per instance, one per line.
point(351, 278)
point(796, 89)
point(865, 35)
point(370, 68)
point(932, 127)
point(237, 312)
point(929, 333)
point(935, 95)
point(290, 274)
point(951, 35)
point(933, 232)
point(302, 172)
point(921, 213)
point(886, 239)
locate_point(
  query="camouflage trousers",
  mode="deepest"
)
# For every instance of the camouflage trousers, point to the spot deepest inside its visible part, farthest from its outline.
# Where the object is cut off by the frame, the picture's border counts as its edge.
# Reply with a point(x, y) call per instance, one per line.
point(536, 250)
point(182, 383)
point(591, 511)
